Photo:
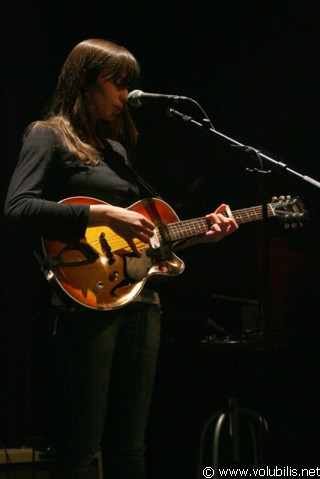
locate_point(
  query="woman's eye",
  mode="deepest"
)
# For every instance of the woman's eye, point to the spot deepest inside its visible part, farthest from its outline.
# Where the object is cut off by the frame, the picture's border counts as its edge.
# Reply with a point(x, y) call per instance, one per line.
point(120, 85)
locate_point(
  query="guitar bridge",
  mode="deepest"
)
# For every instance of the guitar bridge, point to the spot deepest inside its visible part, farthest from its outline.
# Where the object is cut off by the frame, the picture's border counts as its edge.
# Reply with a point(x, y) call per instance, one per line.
point(155, 242)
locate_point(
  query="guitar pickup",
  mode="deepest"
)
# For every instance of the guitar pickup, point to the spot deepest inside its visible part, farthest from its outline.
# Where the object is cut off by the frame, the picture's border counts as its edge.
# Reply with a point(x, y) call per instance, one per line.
point(106, 247)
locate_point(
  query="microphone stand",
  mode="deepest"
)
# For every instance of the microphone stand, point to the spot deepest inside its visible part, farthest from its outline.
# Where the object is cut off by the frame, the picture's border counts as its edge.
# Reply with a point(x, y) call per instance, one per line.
point(205, 125)
point(265, 315)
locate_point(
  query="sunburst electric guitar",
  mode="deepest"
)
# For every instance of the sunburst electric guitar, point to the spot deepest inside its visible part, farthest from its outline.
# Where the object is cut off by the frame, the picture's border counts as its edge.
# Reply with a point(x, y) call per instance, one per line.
point(101, 272)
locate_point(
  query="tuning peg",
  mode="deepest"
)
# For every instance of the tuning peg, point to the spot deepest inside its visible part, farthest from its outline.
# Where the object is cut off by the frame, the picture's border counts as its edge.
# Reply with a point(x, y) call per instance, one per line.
point(281, 198)
point(288, 198)
point(274, 199)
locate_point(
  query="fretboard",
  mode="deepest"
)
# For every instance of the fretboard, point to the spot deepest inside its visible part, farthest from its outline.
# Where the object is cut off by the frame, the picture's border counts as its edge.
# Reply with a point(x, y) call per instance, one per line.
point(247, 215)
point(181, 230)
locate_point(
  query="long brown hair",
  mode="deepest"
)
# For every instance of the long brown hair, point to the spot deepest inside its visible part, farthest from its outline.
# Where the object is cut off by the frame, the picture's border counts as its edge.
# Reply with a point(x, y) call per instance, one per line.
point(69, 109)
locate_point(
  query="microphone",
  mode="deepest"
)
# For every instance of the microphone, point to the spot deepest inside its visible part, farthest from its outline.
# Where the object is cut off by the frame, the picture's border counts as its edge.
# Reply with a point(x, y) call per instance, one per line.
point(138, 98)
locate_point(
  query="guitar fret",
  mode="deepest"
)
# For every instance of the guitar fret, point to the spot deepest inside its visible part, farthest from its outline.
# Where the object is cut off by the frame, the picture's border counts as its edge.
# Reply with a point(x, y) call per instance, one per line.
point(172, 232)
point(246, 215)
point(194, 227)
point(254, 213)
point(188, 228)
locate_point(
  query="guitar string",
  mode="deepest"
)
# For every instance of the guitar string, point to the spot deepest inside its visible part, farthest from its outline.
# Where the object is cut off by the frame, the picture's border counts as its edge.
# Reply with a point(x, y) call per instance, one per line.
point(248, 214)
point(201, 225)
point(181, 229)
point(191, 227)
point(116, 244)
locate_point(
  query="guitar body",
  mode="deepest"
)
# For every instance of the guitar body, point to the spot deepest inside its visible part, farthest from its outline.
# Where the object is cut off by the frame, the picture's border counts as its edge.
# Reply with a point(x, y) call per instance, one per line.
point(100, 271)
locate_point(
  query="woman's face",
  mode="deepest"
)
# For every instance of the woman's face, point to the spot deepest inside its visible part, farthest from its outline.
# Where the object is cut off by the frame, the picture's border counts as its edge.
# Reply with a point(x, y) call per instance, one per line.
point(107, 98)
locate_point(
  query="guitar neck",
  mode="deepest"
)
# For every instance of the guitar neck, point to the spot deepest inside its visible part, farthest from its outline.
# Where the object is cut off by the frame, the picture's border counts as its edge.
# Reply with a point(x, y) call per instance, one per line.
point(248, 215)
point(181, 230)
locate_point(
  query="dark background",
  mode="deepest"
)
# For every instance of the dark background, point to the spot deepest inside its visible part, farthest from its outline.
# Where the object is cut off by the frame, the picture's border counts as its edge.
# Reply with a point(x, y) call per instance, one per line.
point(252, 65)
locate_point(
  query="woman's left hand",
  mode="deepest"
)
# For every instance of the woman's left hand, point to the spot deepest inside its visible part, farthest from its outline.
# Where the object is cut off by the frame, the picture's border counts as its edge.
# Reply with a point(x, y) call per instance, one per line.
point(222, 225)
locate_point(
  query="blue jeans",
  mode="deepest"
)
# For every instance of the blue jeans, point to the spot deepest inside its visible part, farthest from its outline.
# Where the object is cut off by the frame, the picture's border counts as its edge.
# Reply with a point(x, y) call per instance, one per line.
point(106, 365)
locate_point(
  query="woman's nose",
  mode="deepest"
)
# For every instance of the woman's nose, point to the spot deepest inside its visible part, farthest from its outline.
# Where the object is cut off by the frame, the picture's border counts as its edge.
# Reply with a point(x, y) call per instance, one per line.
point(124, 93)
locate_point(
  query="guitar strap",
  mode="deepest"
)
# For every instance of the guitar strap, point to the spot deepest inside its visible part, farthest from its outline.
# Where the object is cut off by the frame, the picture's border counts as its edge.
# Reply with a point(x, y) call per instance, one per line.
point(147, 187)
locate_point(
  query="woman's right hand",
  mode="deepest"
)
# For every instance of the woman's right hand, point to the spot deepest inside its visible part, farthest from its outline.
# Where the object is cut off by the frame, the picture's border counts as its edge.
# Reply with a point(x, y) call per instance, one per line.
point(126, 223)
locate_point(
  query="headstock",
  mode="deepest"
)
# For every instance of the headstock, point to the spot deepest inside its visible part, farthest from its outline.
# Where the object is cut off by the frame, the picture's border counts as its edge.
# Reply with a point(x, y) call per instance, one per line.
point(290, 210)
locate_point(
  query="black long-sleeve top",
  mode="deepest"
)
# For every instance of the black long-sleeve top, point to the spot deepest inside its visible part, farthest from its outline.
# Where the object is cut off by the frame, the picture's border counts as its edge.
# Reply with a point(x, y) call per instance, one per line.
point(46, 173)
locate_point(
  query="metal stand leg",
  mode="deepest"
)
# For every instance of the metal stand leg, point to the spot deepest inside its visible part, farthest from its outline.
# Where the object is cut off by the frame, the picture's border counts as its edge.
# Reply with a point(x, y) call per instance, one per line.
point(231, 415)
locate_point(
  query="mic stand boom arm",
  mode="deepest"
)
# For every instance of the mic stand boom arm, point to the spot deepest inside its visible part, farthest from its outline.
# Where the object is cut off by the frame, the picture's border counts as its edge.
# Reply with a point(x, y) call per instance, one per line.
point(206, 127)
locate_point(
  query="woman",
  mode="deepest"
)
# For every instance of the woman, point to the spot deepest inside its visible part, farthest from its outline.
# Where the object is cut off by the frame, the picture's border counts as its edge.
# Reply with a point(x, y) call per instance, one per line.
point(106, 360)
